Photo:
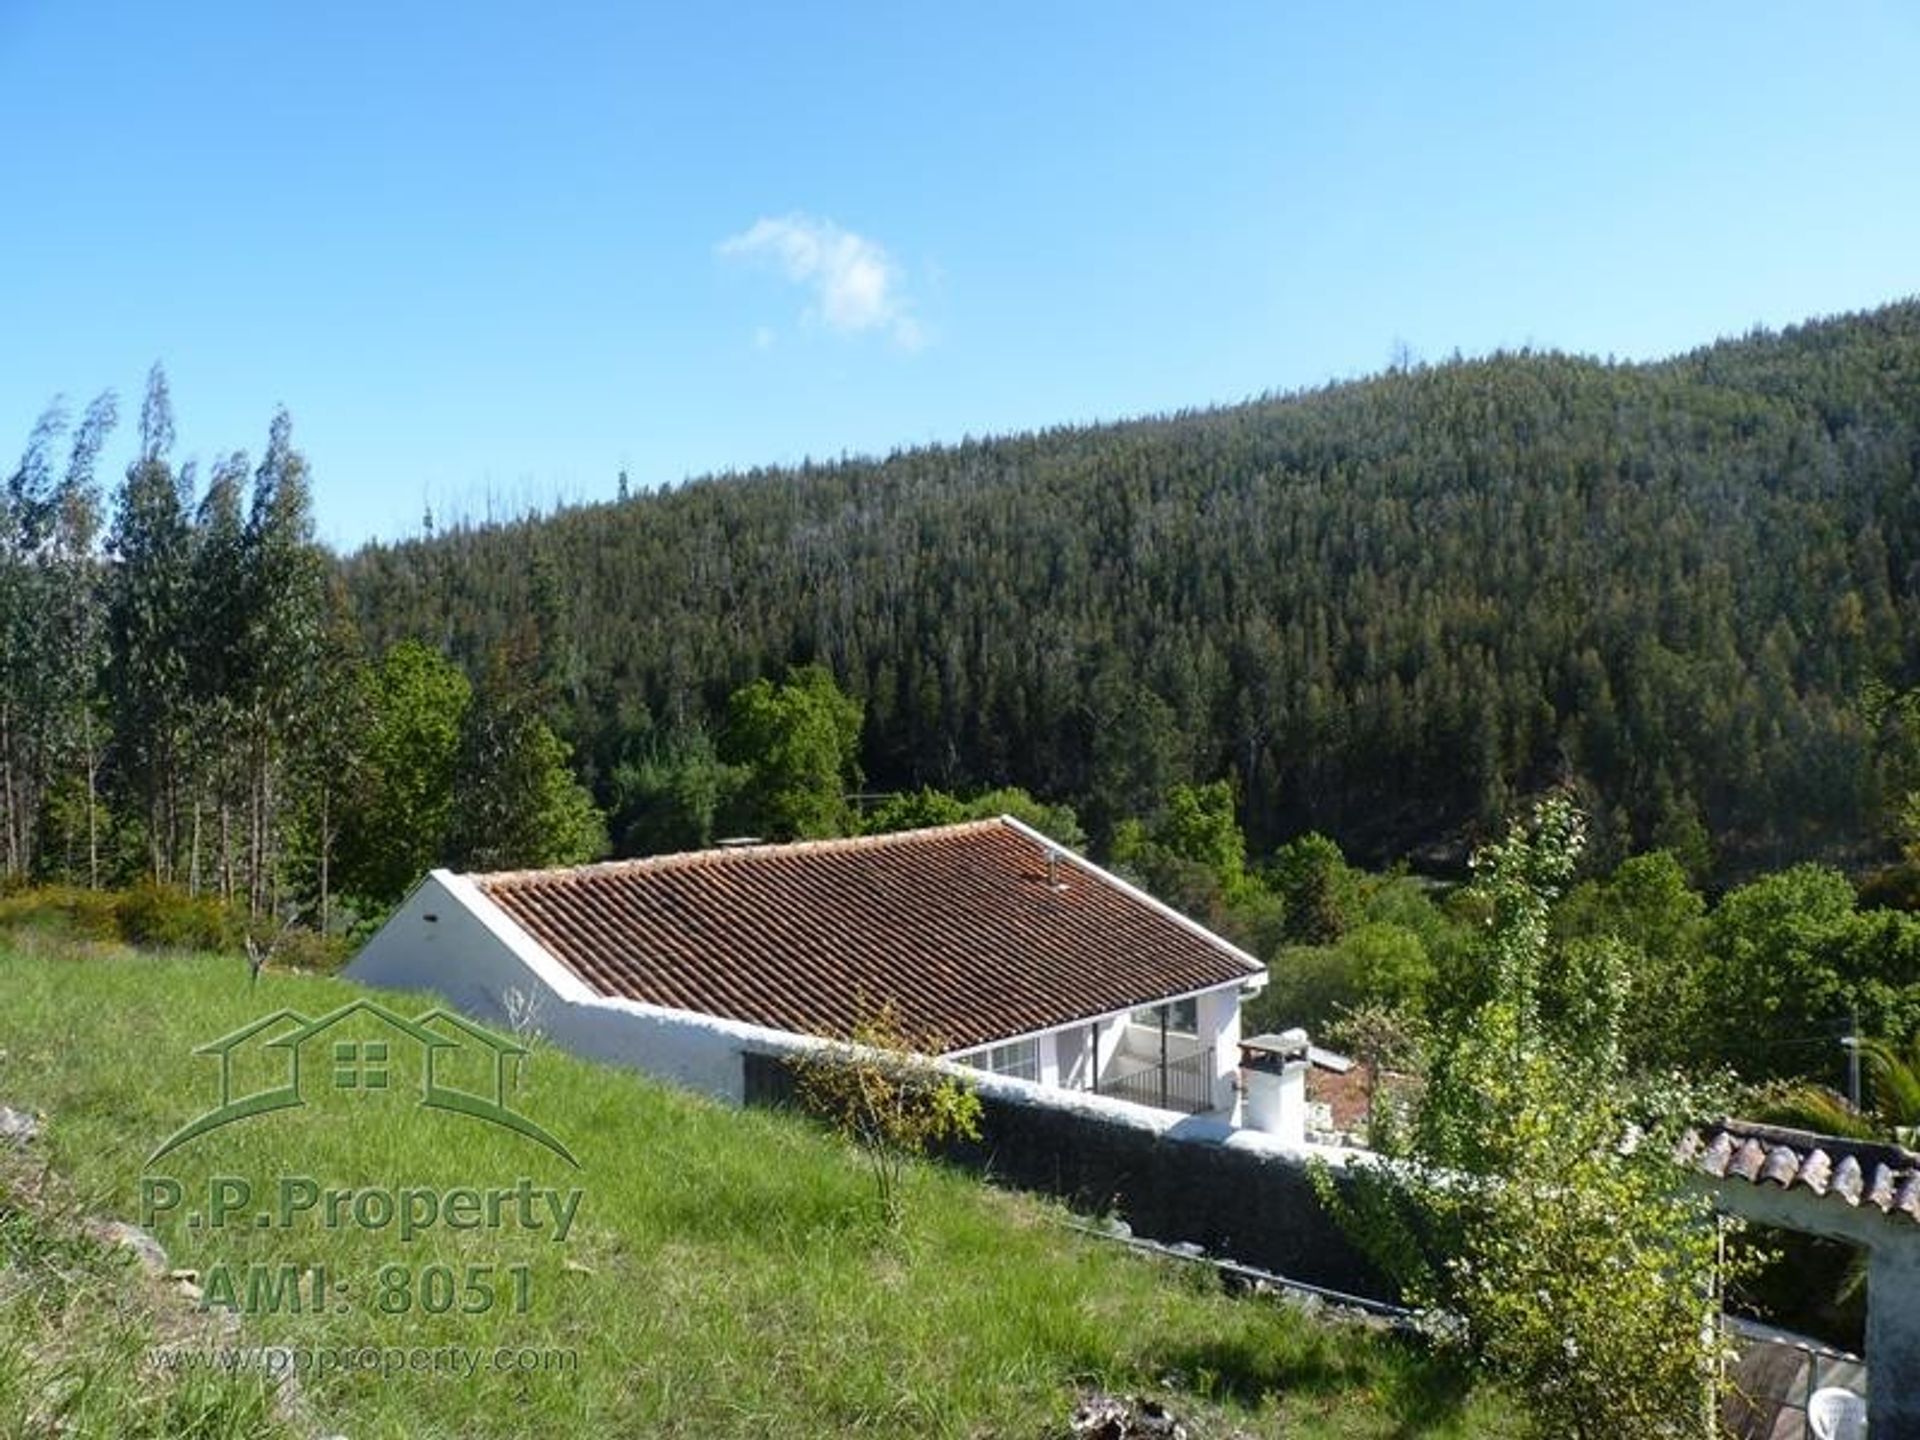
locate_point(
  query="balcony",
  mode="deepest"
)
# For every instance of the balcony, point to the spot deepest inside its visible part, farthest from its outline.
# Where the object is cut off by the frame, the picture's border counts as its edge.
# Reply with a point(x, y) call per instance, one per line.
point(1156, 1066)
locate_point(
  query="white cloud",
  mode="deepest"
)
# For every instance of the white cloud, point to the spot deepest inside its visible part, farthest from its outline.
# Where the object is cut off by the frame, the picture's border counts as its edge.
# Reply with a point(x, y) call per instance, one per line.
point(856, 284)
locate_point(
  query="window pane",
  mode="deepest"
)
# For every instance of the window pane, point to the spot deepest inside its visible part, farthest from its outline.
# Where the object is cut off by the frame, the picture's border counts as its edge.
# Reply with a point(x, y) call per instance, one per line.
point(1018, 1058)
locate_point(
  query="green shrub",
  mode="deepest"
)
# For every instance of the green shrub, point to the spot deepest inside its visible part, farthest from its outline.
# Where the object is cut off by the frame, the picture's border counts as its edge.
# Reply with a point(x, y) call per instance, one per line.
point(162, 918)
point(67, 909)
point(1893, 887)
point(1307, 985)
point(303, 949)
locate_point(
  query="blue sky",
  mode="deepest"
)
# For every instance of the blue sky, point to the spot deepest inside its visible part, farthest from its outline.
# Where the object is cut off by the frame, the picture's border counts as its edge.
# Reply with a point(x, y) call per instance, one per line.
point(490, 250)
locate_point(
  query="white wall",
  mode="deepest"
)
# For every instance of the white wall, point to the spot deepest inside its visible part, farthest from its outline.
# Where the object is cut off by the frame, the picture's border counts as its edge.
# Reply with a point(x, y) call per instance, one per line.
point(1220, 1027)
point(1165, 1124)
point(439, 940)
point(1892, 1242)
point(453, 942)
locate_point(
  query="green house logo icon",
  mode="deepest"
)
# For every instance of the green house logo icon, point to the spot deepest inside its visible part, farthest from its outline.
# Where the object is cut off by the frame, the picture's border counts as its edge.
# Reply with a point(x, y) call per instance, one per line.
point(383, 1051)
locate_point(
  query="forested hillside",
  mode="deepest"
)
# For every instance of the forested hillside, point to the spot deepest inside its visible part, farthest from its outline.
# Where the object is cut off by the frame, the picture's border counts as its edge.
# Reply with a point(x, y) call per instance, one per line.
point(1385, 609)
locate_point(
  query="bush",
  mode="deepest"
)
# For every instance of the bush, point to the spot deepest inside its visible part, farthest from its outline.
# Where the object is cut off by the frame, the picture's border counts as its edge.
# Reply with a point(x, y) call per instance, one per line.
point(1894, 887)
point(1311, 985)
point(159, 917)
point(303, 949)
point(880, 1091)
point(1307, 985)
point(83, 914)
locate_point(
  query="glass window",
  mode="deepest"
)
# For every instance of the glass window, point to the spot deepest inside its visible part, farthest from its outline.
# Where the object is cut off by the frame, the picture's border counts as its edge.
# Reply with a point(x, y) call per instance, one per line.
point(1018, 1058)
point(1183, 1016)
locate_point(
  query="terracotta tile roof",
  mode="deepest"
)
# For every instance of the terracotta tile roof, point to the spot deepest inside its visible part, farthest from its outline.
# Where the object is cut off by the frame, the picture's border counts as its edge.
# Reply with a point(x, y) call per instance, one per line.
point(1852, 1172)
point(958, 926)
point(1345, 1095)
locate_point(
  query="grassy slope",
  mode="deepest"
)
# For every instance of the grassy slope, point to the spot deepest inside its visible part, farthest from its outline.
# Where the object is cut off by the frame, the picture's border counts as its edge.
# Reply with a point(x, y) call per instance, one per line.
point(722, 1278)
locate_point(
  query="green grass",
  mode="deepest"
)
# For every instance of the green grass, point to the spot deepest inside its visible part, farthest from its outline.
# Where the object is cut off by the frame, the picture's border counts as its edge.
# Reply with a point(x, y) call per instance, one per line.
point(77, 1322)
point(724, 1275)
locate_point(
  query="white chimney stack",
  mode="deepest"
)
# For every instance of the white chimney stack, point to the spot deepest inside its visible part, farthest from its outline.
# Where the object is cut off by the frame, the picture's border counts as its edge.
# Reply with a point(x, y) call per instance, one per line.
point(1273, 1083)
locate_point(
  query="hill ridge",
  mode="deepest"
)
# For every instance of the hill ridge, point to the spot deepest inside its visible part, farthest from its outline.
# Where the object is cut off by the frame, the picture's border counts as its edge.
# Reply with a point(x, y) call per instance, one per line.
point(1385, 606)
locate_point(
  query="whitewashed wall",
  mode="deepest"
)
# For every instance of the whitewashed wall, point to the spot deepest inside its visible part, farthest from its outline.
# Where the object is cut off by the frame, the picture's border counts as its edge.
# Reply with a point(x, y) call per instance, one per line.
point(441, 942)
point(1219, 1023)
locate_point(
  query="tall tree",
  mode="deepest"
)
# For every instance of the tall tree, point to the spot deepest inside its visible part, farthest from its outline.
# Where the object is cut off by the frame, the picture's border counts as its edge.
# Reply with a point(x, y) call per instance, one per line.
point(149, 624)
point(26, 521)
point(325, 766)
point(397, 818)
point(1649, 905)
point(73, 621)
point(801, 742)
point(1312, 878)
point(516, 803)
point(670, 796)
point(1533, 1200)
point(216, 666)
point(284, 578)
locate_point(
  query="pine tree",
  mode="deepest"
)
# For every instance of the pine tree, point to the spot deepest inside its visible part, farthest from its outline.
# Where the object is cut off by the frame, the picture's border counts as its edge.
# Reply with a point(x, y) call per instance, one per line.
point(516, 803)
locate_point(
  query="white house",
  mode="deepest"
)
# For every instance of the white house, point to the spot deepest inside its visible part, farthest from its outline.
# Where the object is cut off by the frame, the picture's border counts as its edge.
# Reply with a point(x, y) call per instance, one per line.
point(1022, 957)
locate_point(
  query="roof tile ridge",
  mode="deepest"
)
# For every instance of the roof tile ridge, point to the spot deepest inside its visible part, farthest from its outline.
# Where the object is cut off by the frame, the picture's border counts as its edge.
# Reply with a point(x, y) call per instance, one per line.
point(717, 855)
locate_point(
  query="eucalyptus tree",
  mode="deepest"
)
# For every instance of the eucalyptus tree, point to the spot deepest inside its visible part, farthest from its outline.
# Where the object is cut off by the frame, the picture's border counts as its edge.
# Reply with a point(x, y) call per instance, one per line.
point(149, 623)
point(216, 659)
point(26, 506)
point(283, 640)
point(71, 727)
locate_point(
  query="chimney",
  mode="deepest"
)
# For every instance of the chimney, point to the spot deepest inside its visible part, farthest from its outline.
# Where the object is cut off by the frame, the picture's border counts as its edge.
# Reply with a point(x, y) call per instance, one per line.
point(1273, 1085)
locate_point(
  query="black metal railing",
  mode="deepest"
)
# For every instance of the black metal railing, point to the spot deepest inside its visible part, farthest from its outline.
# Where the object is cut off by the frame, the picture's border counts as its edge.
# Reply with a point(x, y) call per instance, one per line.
point(1183, 1083)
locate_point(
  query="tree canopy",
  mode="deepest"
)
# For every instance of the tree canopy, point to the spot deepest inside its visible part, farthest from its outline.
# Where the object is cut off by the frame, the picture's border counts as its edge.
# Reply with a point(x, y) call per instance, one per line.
point(1385, 610)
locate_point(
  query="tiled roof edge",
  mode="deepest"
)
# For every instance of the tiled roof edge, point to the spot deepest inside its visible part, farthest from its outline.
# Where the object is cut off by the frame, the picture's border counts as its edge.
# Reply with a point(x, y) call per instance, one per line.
point(1863, 1174)
point(1186, 922)
point(736, 854)
point(558, 976)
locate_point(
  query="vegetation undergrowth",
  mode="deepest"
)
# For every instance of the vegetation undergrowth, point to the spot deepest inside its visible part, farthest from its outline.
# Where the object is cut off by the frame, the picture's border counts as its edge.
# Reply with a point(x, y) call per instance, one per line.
point(80, 1324)
point(152, 917)
point(723, 1275)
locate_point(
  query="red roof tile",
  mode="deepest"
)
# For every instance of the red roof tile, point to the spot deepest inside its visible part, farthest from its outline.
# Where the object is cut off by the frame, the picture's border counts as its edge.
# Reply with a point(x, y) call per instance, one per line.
point(958, 927)
point(1854, 1172)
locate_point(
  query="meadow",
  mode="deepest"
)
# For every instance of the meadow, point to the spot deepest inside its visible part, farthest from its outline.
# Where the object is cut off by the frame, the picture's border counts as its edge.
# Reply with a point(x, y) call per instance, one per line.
point(724, 1274)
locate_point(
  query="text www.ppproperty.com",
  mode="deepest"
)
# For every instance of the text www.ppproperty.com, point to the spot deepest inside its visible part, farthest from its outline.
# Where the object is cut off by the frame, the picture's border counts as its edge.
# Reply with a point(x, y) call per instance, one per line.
point(316, 1360)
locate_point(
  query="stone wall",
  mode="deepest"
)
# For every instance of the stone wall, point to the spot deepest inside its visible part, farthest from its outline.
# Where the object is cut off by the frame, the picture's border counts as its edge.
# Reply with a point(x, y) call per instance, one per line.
point(1238, 1194)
